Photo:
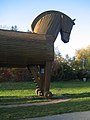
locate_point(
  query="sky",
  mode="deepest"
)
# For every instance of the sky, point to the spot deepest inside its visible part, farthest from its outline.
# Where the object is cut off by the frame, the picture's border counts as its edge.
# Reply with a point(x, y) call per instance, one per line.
point(23, 12)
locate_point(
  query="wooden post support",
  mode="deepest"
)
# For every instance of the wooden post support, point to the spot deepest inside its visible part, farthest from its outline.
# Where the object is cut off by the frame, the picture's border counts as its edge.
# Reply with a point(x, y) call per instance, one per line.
point(42, 73)
point(48, 66)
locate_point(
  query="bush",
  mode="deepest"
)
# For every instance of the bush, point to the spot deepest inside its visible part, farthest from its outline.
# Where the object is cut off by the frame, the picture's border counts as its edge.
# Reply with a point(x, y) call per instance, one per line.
point(63, 71)
point(14, 74)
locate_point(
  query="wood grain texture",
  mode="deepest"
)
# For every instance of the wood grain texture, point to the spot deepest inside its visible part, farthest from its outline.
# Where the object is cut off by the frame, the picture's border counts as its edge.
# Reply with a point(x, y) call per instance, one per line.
point(20, 49)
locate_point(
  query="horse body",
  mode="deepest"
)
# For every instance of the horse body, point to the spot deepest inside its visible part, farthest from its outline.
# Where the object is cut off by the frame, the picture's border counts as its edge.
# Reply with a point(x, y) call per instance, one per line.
point(19, 49)
point(36, 49)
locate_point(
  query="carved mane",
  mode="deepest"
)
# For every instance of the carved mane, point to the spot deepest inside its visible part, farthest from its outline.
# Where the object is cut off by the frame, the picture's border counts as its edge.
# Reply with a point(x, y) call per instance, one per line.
point(49, 22)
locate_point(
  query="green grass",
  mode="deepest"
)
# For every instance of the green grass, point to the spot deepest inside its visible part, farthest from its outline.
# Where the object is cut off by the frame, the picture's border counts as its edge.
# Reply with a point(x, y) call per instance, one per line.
point(17, 93)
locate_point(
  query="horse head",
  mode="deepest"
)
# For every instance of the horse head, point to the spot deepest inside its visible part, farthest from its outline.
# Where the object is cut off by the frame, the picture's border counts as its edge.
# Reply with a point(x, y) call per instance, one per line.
point(66, 27)
point(51, 23)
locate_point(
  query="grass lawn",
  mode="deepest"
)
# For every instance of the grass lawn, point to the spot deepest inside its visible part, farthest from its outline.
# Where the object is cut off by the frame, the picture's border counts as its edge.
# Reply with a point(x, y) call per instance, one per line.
point(24, 92)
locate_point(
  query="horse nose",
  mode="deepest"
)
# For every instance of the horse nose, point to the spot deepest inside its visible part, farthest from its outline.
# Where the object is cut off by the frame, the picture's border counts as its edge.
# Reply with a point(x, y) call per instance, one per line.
point(65, 41)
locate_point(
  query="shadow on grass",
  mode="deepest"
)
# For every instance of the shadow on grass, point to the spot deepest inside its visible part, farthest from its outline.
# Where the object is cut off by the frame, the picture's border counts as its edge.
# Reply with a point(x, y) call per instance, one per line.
point(80, 95)
point(6, 100)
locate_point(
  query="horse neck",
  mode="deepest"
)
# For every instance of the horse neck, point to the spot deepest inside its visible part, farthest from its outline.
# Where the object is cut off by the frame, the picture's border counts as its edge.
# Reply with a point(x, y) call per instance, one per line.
point(49, 25)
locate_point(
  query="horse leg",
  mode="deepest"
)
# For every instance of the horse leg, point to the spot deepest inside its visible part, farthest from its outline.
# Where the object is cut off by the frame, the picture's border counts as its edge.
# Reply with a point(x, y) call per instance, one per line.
point(42, 74)
point(48, 66)
point(36, 76)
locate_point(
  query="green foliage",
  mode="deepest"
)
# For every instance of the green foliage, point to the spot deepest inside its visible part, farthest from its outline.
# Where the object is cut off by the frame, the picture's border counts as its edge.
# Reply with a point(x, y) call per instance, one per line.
point(83, 57)
point(68, 68)
point(88, 63)
point(64, 68)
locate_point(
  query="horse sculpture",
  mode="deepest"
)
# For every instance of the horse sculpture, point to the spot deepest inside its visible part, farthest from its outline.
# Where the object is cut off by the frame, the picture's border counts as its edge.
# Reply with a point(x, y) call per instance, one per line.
point(35, 50)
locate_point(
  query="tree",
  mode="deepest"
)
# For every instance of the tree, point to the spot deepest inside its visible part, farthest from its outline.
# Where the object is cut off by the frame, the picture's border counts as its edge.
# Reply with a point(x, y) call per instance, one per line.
point(83, 57)
point(63, 68)
point(14, 28)
point(80, 54)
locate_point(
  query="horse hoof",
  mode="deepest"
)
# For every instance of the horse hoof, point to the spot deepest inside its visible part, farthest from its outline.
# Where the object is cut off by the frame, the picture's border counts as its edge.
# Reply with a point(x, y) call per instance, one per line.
point(48, 94)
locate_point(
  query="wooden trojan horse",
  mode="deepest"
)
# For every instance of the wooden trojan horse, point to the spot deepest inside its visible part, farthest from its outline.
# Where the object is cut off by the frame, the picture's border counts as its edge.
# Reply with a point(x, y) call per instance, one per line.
point(35, 50)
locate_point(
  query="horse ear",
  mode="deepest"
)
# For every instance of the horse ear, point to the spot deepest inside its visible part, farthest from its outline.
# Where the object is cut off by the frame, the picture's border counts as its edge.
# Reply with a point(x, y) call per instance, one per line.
point(73, 21)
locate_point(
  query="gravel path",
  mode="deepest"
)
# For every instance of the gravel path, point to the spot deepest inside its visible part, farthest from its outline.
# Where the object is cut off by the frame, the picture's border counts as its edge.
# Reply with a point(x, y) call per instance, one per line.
point(68, 116)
